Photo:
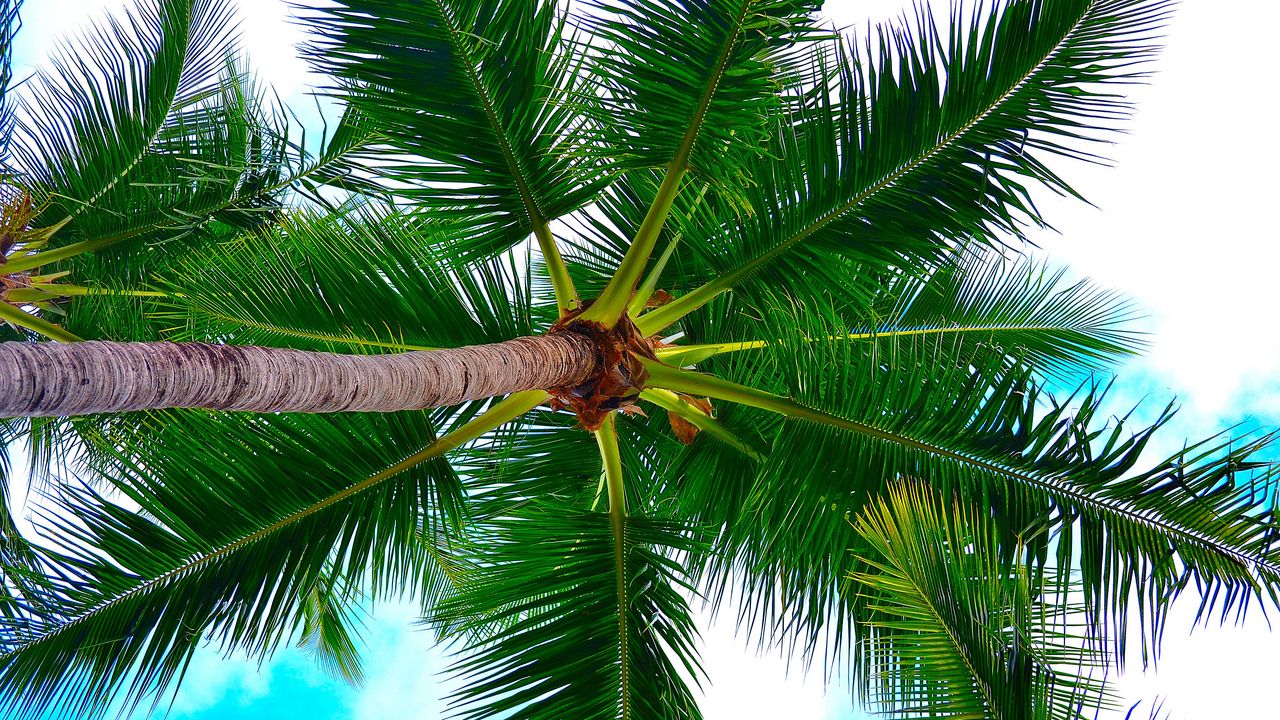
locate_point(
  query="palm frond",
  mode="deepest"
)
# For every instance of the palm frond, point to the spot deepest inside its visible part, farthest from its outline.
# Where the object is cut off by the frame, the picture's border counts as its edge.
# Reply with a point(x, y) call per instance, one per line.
point(671, 71)
point(693, 83)
point(468, 95)
point(326, 616)
point(24, 577)
point(978, 303)
point(124, 87)
point(241, 517)
point(599, 239)
point(989, 434)
point(1020, 306)
point(950, 630)
point(543, 613)
point(368, 280)
point(932, 139)
point(699, 418)
point(163, 140)
point(10, 21)
point(545, 458)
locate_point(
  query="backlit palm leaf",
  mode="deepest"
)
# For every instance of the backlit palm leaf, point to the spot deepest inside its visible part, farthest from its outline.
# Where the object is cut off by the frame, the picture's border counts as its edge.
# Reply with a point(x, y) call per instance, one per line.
point(147, 76)
point(694, 82)
point(952, 631)
point(978, 303)
point(368, 280)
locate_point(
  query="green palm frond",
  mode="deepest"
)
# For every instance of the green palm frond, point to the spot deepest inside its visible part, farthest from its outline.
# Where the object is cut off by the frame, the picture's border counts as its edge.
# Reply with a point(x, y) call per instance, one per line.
point(368, 280)
point(543, 613)
point(243, 518)
point(600, 239)
point(537, 457)
point(183, 141)
point(544, 458)
point(989, 434)
point(469, 96)
point(9, 24)
point(341, 162)
point(111, 97)
point(326, 614)
point(23, 574)
point(979, 303)
point(694, 84)
point(950, 630)
point(687, 86)
point(1021, 306)
point(932, 139)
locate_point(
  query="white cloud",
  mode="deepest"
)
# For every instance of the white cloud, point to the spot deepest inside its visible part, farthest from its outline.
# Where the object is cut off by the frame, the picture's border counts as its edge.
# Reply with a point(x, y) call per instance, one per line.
point(214, 680)
point(744, 684)
point(45, 23)
point(1184, 225)
point(1207, 671)
point(403, 669)
point(271, 39)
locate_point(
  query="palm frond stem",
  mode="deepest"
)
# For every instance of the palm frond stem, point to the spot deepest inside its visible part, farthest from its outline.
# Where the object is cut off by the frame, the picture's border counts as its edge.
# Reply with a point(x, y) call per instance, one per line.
point(650, 284)
point(611, 303)
point(324, 337)
point(45, 291)
point(44, 257)
point(673, 403)
point(608, 308)
point(19, 317)
point(566, 295)
point(611, 459)
point(689, 354)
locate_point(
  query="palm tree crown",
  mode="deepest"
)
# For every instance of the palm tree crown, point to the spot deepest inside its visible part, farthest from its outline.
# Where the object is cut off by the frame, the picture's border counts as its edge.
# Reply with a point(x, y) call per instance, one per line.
point(734, 309)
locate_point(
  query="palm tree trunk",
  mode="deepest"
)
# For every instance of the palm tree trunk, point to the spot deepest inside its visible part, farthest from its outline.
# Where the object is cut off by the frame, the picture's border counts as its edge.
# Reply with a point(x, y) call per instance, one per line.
point(56, 379)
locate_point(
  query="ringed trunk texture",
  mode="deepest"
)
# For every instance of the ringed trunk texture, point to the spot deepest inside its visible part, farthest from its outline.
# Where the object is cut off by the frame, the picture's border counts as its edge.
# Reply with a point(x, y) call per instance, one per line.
point(58, 379)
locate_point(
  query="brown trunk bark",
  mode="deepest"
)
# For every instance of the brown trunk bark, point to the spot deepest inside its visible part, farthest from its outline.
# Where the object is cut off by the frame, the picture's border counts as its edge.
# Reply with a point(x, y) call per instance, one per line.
point(53, 379)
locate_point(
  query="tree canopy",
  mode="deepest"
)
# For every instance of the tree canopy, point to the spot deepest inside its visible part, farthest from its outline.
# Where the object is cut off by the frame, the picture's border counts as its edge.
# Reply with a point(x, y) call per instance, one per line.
point(833, 394)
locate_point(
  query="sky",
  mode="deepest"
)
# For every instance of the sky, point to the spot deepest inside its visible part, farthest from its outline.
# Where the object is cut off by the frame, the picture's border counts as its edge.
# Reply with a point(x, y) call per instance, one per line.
point(1178, 223)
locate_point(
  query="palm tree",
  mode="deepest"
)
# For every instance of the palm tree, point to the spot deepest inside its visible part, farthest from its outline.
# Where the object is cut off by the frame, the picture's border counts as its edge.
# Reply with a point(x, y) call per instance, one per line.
point(788, 241)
